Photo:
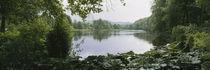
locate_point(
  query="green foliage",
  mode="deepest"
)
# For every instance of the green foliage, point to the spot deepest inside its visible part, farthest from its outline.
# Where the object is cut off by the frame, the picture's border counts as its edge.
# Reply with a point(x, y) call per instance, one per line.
point(23, 45)
point(204, 4)
point(179, 33)
point(20, 11)
point(142, 24)
point(205, 57)
point(82, 25)
point(192, 36)
point(154, 59)
point(170, 57)
point(31, 43)
point(177, 19)
point(84, 7)
point(206, 65)
point(59, 41)
point(11, 34)
point(102, 63)
point(102, 24)
point(40, 29)
point(116, 26)
point(201, 39)
point(159, 41)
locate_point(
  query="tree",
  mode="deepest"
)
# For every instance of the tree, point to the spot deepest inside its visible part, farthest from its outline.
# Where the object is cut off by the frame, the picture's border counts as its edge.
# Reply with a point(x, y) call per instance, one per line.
point(167, 14)
point(22, 45)
point(59, 41)
point(102, 24)
point(158, 16)
point(142, 24)
point(22, 9)
point(116, 26)
point(29, 9)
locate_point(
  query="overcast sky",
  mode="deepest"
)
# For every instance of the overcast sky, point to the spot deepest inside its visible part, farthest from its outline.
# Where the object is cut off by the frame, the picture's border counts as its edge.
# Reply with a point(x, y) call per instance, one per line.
point(114, 11)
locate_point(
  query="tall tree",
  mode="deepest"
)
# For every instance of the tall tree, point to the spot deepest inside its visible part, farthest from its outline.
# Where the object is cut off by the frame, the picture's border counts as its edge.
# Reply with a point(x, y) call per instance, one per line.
point(158, 15)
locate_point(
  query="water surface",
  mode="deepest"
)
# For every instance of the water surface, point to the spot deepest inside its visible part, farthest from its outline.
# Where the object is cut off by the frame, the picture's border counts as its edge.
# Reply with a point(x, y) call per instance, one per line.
point(113, 42)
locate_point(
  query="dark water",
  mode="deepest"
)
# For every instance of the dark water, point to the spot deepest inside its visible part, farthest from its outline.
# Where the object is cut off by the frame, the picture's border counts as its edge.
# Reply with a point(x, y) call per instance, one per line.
point(113, 42)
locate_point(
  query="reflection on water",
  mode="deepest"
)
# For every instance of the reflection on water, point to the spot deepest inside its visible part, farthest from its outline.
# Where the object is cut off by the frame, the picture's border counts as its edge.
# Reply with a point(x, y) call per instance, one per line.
point(101, 35)
point(113, 42)
point(145, 36)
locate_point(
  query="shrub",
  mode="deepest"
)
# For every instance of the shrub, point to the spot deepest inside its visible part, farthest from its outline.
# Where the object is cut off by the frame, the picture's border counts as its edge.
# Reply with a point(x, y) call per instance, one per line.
point(24, 45)
point(59, 41)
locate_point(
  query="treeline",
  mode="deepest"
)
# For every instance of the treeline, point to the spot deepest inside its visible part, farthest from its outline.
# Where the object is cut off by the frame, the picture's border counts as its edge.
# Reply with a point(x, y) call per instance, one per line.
point(97, 25)
point(141, 24)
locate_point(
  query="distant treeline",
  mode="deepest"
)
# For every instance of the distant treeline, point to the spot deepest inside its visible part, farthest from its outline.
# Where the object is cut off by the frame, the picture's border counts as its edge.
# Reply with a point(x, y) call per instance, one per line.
point(96, 24)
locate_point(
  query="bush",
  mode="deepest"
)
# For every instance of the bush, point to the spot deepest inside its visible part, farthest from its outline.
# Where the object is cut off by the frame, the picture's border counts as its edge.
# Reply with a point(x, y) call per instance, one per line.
point(178, 33)
point(159, 41)
point(23, 45)
point(59, 41)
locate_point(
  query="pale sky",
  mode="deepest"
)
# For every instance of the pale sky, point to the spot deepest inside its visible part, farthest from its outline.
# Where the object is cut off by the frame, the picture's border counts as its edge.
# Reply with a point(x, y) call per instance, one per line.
point(114, 11)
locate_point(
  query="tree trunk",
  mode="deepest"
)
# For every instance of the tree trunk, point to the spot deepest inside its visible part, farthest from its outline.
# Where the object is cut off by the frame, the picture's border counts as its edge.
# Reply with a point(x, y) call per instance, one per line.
point(3, 23)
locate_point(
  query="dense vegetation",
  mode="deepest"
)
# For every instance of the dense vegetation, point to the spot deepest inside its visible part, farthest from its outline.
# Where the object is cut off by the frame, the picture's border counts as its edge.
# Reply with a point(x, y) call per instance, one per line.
point(96, 25)
point(36, 35)
point(184, 21)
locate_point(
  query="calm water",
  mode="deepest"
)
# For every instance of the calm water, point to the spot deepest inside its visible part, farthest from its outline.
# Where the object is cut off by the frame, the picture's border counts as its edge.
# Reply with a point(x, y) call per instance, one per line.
point(113, 42)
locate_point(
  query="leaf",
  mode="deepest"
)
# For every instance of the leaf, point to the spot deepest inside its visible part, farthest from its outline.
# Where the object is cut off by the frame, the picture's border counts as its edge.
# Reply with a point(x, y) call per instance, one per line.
point(131, 53)
point(206, 57)
point(206, 65)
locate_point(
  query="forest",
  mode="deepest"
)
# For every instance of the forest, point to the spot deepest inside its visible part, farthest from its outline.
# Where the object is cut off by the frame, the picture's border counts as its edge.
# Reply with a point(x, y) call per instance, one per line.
point(37, 35)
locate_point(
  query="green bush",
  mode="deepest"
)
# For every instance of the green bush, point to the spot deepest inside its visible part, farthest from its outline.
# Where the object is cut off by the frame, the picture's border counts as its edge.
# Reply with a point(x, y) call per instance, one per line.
point(59, 41)
point(159, 41)
point(206, 65)
point(178, 33)
point(23, 45)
